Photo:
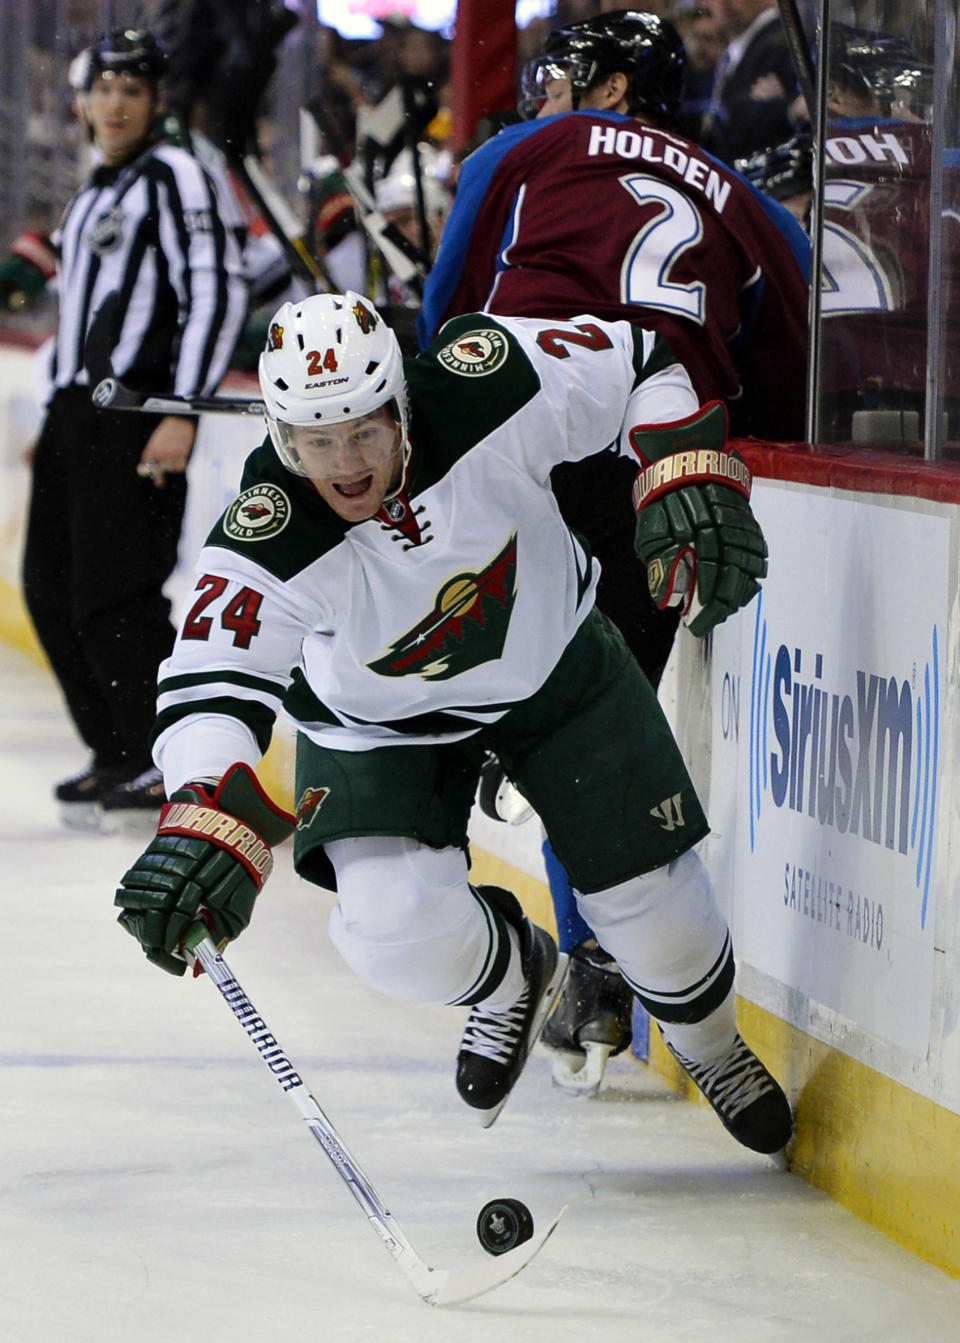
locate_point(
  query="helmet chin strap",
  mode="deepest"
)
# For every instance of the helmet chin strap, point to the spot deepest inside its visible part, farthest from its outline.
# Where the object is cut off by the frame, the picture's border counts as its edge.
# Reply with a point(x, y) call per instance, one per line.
point(406, 451)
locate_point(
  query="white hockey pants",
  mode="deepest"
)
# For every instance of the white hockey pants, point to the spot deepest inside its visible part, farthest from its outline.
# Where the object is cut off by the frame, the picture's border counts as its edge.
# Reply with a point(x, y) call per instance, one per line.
point(408, 923)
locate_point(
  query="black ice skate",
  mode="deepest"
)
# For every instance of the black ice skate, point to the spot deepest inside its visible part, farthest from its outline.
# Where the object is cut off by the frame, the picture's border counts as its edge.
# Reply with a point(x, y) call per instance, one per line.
point(495, 1045)
point(749, 1101)
point(133, 806)
point(592, 1020)
point(78, 797)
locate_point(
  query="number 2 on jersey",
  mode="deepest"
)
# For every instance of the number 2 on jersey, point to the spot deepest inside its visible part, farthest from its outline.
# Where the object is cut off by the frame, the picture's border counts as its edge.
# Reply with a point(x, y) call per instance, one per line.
point(645, 273)
point(588, 336)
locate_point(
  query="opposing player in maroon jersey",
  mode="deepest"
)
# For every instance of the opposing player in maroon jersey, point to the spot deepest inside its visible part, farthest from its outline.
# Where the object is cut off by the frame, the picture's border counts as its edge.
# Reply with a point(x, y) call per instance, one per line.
point(598, 206)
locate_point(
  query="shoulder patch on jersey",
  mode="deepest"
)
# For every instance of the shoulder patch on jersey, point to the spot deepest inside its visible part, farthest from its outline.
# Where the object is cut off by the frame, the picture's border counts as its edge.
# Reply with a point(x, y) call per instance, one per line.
point(475, 353)
point(281, 510)
point(257, 514)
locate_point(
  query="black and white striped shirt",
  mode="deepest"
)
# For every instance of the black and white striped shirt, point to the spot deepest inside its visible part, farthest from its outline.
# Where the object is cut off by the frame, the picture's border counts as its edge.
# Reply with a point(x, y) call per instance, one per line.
point(149, 237)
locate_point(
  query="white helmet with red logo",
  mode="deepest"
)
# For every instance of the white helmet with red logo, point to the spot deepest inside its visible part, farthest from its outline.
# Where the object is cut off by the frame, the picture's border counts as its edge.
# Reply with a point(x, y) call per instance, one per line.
point(329, 358)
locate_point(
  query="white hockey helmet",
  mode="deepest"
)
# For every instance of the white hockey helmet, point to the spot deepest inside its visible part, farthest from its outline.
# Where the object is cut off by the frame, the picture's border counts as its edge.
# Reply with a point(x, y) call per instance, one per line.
point(329, 358)
point(397, 190)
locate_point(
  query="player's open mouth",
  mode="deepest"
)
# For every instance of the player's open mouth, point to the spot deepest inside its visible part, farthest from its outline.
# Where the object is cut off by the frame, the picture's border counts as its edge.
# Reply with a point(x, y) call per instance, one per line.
point(353, 489)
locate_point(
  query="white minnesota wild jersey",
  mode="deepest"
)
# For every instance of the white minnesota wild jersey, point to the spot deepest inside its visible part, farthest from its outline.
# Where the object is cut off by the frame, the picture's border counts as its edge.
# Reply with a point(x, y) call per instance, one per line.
point(434, 618)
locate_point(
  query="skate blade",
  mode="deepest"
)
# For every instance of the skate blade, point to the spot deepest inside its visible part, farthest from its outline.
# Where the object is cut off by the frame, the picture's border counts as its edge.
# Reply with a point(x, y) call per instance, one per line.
point(488, 1117)
point(580, 1074)
point(80, 816)
point(130, 821)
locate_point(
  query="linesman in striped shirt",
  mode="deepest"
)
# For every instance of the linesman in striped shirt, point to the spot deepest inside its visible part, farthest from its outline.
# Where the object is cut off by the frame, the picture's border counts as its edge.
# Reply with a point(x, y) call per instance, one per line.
point(151, 289)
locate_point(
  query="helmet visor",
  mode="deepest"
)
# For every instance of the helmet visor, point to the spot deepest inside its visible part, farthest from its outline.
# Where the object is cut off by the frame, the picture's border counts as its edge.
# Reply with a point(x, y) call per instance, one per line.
point(534, 78)
point(331, 451)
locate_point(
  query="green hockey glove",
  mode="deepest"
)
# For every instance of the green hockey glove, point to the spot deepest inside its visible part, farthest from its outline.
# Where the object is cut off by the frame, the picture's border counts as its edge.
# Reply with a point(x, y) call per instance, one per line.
point(209, 860)
point(696, 533)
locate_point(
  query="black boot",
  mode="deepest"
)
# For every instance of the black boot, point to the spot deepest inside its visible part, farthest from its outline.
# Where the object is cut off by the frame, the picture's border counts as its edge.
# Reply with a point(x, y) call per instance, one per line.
point(495, 1045)
point(749, 1101)
point(592, 1020)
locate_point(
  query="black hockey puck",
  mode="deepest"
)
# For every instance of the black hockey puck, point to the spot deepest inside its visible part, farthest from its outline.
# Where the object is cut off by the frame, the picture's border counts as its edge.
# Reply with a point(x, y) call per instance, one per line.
point(503, 1224)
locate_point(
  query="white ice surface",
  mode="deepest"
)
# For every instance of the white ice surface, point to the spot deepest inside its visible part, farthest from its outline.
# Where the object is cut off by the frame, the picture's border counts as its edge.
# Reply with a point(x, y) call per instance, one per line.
point(156, 1184)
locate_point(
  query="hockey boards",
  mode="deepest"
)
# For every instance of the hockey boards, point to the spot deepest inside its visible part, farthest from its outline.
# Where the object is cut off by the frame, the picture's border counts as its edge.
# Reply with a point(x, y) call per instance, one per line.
point(435, 1286)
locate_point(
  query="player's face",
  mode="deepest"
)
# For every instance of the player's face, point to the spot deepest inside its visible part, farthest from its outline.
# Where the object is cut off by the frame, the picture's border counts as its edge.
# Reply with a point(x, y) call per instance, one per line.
point(120, 109)
point(354, 465)
point(557, 98)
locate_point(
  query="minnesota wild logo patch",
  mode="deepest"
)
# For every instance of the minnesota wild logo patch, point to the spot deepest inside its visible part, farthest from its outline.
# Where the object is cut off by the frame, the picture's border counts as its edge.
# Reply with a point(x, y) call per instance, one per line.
point(475, 354)
point(257, 514)
point(466, 626)
point(309, 805)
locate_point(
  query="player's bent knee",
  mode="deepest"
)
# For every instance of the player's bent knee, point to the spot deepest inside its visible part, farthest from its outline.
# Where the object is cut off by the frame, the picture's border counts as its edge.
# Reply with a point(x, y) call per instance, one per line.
point(406, 920)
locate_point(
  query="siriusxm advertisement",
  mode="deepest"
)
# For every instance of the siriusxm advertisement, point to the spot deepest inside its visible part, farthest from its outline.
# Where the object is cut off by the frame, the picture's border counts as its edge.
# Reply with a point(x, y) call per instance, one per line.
point(826, 762)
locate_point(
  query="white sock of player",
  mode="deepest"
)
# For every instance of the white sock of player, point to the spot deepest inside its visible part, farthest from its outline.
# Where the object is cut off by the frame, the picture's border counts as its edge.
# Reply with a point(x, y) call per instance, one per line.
point(672, 944)
point(707, 1040)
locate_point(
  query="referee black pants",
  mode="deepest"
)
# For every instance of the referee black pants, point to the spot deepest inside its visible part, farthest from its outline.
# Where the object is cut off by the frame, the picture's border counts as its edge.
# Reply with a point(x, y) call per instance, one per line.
point(100, 544)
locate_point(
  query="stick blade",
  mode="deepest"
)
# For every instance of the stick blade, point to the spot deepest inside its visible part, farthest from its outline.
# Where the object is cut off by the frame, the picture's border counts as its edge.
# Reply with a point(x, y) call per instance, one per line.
point(451, 1287)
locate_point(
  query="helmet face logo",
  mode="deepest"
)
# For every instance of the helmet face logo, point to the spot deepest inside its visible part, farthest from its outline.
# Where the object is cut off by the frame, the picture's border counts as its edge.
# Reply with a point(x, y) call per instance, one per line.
point(275, 336)
point(366, 320)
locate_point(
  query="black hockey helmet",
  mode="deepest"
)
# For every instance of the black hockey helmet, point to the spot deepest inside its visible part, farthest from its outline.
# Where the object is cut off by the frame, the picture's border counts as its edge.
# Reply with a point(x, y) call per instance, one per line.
point(131, 51)
point(874, 65)
point(642, 46)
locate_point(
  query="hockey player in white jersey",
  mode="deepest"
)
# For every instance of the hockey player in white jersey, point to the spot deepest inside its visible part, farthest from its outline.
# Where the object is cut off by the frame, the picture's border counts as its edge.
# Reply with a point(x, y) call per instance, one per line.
point(395, 575)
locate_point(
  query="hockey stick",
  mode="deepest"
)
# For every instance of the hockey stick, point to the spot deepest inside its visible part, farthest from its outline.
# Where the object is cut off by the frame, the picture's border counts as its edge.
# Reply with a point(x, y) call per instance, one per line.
point(438, 1287)
point(800, 52)
point(402, 256)
point(110, 394)
point(281, 220)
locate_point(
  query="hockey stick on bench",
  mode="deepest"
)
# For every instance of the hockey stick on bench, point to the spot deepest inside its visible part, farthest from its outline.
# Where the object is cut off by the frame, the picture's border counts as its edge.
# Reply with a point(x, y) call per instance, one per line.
point(110, 394)
point(438, 1287)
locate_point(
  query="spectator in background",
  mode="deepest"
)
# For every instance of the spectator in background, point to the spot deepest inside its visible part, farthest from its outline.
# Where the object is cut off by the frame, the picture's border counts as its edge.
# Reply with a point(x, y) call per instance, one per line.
point(151, 289)
point(398, 199)
point(755, 100)
point(697, 26)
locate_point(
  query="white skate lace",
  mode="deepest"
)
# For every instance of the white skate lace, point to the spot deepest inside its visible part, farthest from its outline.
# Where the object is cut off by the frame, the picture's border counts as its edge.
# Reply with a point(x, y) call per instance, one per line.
point(494, 1035)
point(734, 1082)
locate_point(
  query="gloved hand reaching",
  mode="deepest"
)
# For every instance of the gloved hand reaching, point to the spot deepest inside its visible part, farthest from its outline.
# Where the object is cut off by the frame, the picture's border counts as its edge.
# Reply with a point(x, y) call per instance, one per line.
point(696, 532)
point(209, 860)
